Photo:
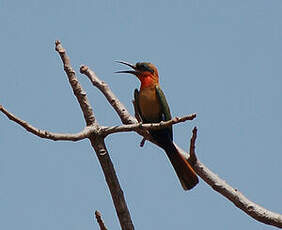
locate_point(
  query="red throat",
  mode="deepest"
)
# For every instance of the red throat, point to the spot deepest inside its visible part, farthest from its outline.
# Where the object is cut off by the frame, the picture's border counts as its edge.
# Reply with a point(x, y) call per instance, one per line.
point(147, 81)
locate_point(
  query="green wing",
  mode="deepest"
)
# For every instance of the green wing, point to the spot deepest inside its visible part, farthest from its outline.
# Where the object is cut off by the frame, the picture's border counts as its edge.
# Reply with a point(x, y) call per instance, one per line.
point(136, 105)
point(164, 105)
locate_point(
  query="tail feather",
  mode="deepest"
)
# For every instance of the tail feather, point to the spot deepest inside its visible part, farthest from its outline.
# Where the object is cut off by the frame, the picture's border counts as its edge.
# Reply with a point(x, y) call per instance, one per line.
point(186, 174)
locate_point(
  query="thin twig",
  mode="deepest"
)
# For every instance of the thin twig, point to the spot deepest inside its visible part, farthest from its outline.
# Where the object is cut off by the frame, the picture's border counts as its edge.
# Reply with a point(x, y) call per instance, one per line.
point(152, 126)
point(85, 133)
point(193, 157)
point(100, 221)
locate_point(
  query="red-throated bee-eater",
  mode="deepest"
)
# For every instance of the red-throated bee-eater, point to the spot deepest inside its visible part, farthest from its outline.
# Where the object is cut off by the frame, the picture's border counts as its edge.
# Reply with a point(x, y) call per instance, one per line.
point(152, 106)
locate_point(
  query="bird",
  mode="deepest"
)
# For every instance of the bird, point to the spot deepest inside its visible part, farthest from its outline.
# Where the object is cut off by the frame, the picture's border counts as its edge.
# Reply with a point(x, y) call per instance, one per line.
point(152, 106)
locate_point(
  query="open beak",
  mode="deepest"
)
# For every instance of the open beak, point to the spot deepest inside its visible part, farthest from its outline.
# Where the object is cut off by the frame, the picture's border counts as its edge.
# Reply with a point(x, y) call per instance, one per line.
point(135, 72)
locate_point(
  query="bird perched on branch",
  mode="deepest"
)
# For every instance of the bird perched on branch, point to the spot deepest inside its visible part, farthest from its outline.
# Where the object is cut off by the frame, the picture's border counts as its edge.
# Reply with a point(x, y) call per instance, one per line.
point(152, 107)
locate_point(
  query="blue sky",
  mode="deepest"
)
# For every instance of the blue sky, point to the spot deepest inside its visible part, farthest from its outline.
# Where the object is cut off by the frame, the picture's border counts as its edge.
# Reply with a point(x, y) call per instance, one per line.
point(219, 59)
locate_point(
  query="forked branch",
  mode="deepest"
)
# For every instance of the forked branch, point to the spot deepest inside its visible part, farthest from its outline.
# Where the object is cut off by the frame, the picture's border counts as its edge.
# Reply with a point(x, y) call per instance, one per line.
point(257, 212)
point(96, 134)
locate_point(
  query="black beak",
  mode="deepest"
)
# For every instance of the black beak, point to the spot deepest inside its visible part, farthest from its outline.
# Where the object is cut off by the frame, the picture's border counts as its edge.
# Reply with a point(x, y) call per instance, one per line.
point(135, 72)
point(126, 63)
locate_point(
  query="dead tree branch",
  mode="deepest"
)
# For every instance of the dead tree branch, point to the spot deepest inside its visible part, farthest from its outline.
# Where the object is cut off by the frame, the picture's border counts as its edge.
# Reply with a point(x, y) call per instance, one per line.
point(97, 142)
point(124, 115)
point(140, 126)
point(96, 134)
point(76, 87)
point(257, 212)
point(89, 130)
point(234, 195)
point(100, 221)
point(85, 133)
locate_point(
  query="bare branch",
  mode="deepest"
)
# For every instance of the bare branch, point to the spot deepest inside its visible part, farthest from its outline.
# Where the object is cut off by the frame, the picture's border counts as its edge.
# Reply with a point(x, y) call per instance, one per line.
point(85, 133)
point(202, 171)
point(100, 221)
point(77, 88)
point(111, 178)
point(97, 141)
point(140, 126)
point(193, 158)
point(124, 115)
point(250, 208)
point(96, 135)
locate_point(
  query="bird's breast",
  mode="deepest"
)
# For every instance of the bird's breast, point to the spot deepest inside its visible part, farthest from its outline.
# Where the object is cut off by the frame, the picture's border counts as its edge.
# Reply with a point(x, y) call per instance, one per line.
point(149, 104)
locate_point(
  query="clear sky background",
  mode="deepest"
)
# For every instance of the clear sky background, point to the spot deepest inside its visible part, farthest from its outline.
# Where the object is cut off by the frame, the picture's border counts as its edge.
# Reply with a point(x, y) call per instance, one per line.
point(220, 59)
